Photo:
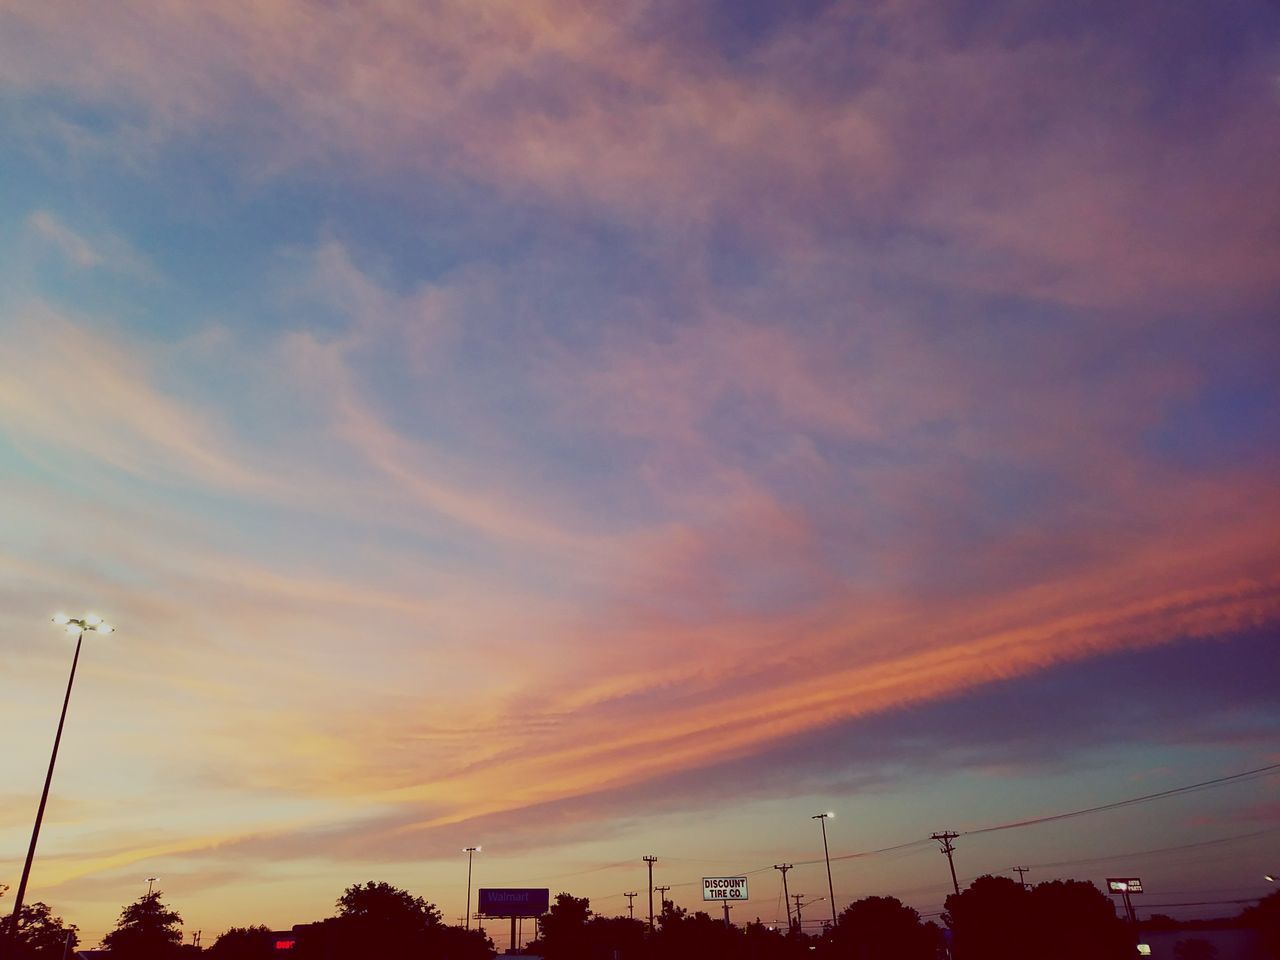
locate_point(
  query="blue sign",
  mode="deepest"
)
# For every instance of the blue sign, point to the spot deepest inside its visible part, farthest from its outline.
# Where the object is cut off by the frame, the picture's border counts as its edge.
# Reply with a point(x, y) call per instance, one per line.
point(518, 902)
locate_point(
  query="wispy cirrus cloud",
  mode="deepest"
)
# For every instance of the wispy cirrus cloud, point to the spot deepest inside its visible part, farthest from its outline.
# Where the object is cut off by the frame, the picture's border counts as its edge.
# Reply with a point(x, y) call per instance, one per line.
point(549, 406)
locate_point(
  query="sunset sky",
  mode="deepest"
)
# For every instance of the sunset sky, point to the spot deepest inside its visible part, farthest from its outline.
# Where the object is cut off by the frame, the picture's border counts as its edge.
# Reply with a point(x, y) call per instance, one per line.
point(599, 430)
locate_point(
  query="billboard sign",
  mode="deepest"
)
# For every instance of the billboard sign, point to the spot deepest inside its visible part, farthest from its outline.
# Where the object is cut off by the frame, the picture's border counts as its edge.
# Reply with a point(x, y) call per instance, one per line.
point(1124, 884)
point(724, 888)
point(514, 902)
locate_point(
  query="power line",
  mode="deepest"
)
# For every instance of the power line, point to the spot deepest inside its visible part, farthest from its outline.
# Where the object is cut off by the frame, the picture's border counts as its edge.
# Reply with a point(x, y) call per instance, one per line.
point(1035, 821)
point(1158, 850)
point(1176, 791)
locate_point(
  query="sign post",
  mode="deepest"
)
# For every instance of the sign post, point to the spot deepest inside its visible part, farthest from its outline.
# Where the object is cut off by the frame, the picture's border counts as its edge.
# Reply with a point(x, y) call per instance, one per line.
point(514, 903)
point(1126, 886)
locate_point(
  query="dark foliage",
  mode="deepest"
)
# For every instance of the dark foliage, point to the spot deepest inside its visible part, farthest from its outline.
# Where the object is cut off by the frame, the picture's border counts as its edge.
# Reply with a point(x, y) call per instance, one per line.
point(244, 943)
point(41, 935)
point(380, 920)
point(146, 930)
point(997, 919)
point(1264, 917)
point(881, 927)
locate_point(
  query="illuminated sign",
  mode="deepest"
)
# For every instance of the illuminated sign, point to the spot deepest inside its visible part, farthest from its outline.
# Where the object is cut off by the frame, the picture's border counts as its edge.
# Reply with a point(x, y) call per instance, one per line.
point(724, 888)
point(1124, 884)
point(517, 902)
point(1144, 949)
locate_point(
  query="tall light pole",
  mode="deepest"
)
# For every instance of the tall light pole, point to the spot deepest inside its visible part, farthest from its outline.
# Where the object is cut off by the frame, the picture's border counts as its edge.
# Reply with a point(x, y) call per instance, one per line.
point(76, 627)
point(470, 852)
point(151, 882)
point(823, 818)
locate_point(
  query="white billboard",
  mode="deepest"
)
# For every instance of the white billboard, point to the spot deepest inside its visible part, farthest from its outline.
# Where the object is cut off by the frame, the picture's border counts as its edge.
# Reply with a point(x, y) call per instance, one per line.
point(724, 888)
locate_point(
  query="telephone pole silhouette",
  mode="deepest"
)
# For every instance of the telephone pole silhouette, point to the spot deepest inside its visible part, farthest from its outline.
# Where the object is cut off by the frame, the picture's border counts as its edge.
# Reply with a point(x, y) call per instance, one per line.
point(726, 914)
point(796, 897)
point(651, 861)
point(948, 848)
point(662, 897)
point(631, 903)
point(786, 897)
point(1022, 875)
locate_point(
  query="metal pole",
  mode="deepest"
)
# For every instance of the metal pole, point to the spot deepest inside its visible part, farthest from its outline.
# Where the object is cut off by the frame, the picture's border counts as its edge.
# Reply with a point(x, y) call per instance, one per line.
point(44, 798)
point(470, 853)
point(830, 887)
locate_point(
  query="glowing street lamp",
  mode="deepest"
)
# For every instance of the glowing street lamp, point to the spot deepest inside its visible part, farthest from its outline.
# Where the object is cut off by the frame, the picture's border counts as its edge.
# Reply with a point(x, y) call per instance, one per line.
point(470, 852)
point(74, 627)
point(823, 818)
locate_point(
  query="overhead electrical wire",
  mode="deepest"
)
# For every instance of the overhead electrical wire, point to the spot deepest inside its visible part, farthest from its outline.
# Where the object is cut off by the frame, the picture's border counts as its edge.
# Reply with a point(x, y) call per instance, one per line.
point(1245, 775)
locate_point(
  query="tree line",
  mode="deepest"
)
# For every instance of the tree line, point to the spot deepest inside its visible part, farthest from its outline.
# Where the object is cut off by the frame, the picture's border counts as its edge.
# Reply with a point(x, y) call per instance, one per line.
point(994, 918)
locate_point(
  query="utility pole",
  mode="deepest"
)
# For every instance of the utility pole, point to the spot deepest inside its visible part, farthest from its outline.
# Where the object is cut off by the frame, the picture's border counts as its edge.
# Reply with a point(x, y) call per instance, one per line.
point(948, 848)
point(796, 897)
point(826, 852)
point(727, 924)
point(651, 861)
point(1022, 875)
point(786, 898)
point(631, 903)
point(662, 896)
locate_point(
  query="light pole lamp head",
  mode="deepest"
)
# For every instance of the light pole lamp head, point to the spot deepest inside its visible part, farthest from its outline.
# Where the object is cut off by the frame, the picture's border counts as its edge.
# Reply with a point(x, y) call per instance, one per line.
point(470, 849)
point(829, 815)
point(75, 625)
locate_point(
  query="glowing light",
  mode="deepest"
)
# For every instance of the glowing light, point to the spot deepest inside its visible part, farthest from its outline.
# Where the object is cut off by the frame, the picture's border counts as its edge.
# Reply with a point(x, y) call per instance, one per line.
point(72, 629)
point(105, 628)
point(61, 619)
point(92, 620)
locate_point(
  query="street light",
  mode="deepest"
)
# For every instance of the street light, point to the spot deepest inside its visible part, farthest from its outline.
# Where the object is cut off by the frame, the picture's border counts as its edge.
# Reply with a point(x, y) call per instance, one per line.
point(151, 881)
point(823, 818)
point(1269, 878)
point(470, 852)
point(77, 628)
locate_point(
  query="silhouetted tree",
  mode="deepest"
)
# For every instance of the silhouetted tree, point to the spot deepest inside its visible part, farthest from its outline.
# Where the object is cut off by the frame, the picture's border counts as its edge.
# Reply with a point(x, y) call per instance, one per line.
point(762, 942)
point(458, 943)
point(990, 920)
point(1264, 916)
point(383, 921)
point(616, 936)
point(41, 935)
point(146, 930)
point(244, 943)
point(997, 919)
point(1073, 918)
point(695, 937)
point(564, 929)
point(881, 927)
